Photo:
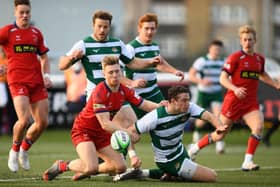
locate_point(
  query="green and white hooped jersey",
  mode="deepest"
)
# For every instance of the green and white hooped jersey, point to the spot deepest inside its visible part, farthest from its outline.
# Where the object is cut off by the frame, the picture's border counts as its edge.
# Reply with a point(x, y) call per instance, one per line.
point(166, 131)
point(94, 52)
point(209, 69)
point(144, 51)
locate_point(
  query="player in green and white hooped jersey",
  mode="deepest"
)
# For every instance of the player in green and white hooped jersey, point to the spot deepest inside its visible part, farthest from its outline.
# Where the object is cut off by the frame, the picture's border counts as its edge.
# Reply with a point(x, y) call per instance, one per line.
point(92, 49)
point(166, 127)
point(205, 72)
point(144, 47)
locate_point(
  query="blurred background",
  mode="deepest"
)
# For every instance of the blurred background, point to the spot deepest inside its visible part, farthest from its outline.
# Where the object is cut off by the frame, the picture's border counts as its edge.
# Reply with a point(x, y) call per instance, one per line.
point(185, 29)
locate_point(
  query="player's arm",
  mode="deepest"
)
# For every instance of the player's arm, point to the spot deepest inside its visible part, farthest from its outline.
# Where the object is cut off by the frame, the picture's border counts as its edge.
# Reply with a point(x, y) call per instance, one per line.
point(264, 77)
point(139, 64)
point(67, 61)
point(214, 120)
point(167, 68)
point(192, 74)
point(106, 123)
point(138, 83)
point(225, 80)
point(45, 66)
point(148, 106)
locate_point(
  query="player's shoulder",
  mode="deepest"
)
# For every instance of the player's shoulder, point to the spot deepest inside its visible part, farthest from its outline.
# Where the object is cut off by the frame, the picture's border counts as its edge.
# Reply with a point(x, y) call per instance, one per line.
point(236, 55)
point(35, 30)
point(113, 39)
point(8, 27)
point(259, 56)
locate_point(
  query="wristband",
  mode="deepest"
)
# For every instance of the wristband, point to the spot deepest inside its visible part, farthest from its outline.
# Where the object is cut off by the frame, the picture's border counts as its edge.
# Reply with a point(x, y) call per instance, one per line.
point(46, 75)
point(131, 153)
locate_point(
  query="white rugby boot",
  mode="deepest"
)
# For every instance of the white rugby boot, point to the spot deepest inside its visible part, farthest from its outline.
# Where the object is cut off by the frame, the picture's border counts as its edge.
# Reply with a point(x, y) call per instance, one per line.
point(23, 159)
point(13, 160)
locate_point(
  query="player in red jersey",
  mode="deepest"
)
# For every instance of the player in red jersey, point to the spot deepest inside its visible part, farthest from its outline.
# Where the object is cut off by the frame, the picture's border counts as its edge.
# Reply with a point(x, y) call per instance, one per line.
point(241, 74)
point(93, 126)
point(28, 78)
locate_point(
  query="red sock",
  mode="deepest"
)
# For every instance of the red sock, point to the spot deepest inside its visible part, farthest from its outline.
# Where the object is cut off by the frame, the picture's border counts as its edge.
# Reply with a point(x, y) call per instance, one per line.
point(26, 144)
point(253, 142)
point(16, 146)
point(204, 141)
point(63, 166)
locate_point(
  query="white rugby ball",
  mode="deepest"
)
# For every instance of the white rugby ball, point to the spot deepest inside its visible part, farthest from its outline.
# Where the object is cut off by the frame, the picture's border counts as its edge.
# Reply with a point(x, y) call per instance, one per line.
point(120, 141)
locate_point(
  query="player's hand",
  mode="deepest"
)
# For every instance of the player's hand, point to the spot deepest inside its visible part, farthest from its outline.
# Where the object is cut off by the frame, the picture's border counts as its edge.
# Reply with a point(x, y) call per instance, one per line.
point(139, 83)
point(135, 162)
point(134, 136)
point(163, 103)
point(180, 74)
point(240, 92)
point(47, 81)
point(206, 82)
point(222, 129)
point(156, 61)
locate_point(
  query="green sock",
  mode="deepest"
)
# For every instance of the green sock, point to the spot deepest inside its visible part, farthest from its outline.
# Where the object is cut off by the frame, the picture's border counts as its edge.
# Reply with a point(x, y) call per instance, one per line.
point(155, 173)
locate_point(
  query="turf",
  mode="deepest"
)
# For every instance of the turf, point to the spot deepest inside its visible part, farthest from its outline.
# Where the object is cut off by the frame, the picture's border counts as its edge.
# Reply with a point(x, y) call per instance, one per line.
point(56, 144)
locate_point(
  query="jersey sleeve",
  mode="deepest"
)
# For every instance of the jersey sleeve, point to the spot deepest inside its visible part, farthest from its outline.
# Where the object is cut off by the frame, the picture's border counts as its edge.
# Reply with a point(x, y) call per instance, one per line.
point(126, 57)
point(231, 64)
point(132, 97)
point(99, 100)
point(130, 49)
point(4, 34)
point(199, 63)
point(147, 122)
point(195, 110)
point(42, 44)
point(80, 45)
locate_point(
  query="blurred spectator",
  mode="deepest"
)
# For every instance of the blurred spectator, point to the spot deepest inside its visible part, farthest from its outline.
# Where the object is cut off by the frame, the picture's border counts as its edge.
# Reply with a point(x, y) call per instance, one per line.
point(7, 112)
point(75, 79)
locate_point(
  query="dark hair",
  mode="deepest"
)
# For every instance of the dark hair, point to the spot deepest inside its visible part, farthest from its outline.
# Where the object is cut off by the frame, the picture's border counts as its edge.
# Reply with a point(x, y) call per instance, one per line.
point(109, 60)
point(22, 2)
point(102, 15)
point(174, 91)
point(217, 42)
point(149, 17)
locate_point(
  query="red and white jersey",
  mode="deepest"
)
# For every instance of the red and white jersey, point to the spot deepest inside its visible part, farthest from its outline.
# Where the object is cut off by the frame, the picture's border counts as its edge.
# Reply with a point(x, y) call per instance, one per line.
point(22, 47)
point(103, 99)
point(244, 70)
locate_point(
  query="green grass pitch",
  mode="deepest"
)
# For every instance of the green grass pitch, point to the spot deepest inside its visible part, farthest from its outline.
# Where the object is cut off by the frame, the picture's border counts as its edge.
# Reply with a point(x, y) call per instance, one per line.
point(56, 144)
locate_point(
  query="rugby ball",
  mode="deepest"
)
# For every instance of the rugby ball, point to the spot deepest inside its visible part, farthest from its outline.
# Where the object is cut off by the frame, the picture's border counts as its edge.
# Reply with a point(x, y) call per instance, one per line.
point(120, 141)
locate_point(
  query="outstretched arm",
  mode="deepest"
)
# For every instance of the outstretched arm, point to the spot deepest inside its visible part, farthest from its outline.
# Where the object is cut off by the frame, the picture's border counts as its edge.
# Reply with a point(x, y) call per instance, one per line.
point(167, 68)
point(264, 77)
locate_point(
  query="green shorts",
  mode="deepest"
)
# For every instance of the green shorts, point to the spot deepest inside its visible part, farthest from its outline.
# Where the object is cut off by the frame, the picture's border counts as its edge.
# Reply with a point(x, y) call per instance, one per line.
point(205, 99)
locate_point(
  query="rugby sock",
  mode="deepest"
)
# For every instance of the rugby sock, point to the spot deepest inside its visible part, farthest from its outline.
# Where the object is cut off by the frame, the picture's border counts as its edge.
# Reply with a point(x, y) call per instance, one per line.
point(63, 166)
point(253, 142)
point(26, 144)
point(152, 173)
point(16, 146)
point(204, 141)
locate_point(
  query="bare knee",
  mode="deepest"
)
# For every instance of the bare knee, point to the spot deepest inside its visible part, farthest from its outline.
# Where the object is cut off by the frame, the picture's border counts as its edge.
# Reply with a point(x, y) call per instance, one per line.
point(120, 168)
point(90, 170)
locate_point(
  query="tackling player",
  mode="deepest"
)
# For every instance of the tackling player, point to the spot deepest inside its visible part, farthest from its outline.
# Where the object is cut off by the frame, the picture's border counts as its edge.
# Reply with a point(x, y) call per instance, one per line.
point(93, 126)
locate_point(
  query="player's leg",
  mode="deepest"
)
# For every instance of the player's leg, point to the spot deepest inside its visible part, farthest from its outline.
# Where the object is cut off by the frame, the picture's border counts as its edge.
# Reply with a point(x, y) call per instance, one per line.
point(21, 104)
point(270, 131)
point(196, 172)
point(113, 161)
point(85, 165)
point(255, 121)
point(216, 109)
point(210, 138)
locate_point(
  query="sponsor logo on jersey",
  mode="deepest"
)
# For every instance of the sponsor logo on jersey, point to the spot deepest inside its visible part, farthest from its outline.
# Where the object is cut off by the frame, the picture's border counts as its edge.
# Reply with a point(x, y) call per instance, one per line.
point(250, 75)
point(95, 50)
point(25, 48)
point(98, 106)
point(114, 49)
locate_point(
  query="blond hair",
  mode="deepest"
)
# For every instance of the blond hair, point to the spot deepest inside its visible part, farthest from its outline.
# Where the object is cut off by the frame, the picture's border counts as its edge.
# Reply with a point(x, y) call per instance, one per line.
point(109, 60)
point(247, 29)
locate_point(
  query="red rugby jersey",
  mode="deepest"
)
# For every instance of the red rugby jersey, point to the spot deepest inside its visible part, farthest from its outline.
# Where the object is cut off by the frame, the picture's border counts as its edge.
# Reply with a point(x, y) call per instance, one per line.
point(22, 47)
point(103, 99)
point(245, 70)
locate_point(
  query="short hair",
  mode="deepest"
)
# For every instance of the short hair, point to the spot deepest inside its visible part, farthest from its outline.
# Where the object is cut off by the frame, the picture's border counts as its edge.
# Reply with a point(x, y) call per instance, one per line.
point(217, 43)
point(174, 91)
point(149, 17)
point(22, 2)
point(102, 15)
point(109, 60)
point(247, 29)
